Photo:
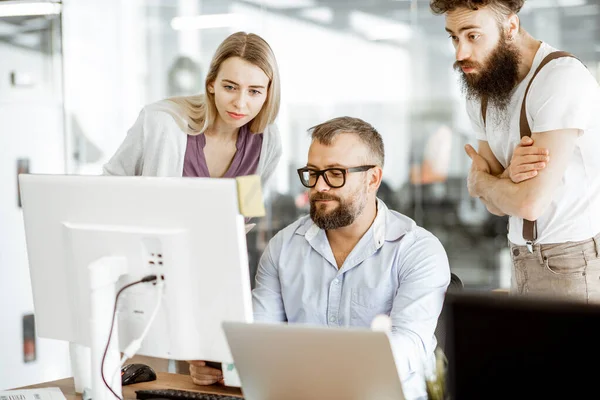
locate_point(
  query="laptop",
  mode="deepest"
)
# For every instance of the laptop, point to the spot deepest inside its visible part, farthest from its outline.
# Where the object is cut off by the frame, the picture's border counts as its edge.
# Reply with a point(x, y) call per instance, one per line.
point(299, 362)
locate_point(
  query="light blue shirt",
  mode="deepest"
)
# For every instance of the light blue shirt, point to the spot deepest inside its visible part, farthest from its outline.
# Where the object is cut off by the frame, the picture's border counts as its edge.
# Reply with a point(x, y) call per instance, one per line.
point(397, 268)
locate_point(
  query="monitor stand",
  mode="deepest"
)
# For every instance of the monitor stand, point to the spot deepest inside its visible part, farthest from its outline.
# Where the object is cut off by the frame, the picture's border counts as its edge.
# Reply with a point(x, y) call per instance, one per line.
point(104, 274)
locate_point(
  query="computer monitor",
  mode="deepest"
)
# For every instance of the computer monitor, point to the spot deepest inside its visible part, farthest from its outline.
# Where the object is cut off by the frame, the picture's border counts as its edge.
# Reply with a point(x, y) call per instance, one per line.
point(187, 230)
point(505, 347)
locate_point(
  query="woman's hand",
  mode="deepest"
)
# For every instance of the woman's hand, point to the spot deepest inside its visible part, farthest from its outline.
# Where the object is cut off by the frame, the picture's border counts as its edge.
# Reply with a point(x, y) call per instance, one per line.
point(203, 375)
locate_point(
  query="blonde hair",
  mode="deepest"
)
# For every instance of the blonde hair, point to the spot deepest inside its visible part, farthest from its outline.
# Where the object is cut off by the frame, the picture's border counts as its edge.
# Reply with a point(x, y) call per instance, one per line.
point(201, 110)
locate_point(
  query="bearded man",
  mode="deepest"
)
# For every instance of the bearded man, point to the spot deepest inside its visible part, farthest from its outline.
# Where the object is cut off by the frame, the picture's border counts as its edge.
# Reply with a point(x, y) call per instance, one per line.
point(535, 112)
point(353, 258)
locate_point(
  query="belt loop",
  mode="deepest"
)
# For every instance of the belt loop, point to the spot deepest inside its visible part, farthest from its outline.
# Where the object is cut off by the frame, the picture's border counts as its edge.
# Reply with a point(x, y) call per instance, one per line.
point(540, 256)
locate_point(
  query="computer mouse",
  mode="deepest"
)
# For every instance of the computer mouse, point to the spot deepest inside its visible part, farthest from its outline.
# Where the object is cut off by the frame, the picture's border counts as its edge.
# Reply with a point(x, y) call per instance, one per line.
point(136, 373)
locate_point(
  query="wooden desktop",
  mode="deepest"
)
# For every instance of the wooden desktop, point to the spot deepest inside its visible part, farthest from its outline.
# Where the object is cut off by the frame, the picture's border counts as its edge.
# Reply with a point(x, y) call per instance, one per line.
point(164, 380)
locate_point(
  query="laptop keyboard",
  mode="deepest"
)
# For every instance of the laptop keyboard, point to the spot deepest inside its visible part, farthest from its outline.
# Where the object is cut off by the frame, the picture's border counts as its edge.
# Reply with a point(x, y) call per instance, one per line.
point(174, 394)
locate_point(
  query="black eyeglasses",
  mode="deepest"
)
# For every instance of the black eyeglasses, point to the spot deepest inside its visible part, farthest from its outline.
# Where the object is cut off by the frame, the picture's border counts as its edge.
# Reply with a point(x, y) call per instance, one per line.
point(334, 177)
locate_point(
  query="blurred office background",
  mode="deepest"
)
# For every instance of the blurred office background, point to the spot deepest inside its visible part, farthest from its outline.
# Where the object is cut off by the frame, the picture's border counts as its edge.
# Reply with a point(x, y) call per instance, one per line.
point(75, 74)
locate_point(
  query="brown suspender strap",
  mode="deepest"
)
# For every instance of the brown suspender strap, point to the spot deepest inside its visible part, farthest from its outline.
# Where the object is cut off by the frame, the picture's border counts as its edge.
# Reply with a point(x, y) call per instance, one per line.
point(529, 227)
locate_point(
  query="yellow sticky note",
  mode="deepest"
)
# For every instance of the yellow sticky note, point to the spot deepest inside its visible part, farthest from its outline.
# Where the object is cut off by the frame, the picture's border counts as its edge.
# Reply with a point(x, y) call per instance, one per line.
point(250, 198)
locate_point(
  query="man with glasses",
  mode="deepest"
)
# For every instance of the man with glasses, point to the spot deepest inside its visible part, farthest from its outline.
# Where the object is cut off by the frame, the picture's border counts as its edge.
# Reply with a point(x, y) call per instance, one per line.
point(353, 258)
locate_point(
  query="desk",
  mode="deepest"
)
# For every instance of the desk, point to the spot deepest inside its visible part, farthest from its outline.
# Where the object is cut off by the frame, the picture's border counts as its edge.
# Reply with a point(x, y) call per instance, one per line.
point(163, 380)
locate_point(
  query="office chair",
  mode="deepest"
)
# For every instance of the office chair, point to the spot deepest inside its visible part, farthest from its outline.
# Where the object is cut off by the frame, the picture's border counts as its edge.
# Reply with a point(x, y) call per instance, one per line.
point(456, 284)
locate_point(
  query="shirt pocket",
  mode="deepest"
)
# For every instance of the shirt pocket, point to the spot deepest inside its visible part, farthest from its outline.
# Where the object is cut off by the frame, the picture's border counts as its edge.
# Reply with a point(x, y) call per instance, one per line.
point(366, 303)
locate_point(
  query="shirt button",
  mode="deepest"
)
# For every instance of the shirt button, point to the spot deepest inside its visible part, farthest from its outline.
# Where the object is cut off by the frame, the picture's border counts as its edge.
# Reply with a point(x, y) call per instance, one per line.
point(331, 319)
point(336, 282)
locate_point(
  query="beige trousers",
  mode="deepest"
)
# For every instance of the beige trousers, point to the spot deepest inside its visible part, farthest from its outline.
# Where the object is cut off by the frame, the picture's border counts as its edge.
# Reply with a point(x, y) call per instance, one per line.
point(570, 270)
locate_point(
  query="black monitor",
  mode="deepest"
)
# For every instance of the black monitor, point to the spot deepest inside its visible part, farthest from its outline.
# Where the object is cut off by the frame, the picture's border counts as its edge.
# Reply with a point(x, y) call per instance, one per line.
point(507, 347)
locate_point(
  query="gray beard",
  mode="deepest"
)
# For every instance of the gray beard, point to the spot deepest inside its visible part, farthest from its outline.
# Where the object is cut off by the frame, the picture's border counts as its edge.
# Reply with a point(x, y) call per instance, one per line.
point(338, 218)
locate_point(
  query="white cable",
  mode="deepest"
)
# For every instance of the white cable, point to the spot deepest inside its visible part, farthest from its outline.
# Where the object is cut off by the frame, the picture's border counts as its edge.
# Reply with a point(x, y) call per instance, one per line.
point(135, 344)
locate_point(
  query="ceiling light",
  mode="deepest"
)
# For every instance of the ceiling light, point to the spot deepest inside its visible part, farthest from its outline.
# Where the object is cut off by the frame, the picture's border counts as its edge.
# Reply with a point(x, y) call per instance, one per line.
point(282, 4)
point(378, 28)
point(17, 9)
point(206, 21)
point(318, 14)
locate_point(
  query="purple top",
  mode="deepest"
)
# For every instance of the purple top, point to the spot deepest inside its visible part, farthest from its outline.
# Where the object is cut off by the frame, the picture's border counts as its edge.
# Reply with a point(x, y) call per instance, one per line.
point(245, 160)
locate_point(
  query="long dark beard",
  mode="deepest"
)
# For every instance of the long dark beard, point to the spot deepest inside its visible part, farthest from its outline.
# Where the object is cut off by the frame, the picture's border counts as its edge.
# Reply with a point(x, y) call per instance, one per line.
point(496, 78)
point(345, 214)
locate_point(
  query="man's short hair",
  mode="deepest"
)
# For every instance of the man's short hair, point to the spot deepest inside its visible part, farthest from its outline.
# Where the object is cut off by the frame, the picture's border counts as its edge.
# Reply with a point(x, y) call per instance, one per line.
point(368, 135)
point(504, 7)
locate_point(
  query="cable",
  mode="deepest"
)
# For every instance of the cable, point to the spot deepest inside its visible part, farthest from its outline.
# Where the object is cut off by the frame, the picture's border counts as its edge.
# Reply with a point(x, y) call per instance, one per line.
point(149, 278)
point(135, 344)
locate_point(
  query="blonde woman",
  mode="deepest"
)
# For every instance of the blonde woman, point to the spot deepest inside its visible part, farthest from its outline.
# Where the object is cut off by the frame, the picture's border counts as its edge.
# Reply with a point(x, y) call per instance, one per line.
point(228, 131)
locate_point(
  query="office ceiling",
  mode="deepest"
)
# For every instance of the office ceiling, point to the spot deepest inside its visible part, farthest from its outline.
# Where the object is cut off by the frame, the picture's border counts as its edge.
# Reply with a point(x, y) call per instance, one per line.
point(388, 21)
point(578, 21)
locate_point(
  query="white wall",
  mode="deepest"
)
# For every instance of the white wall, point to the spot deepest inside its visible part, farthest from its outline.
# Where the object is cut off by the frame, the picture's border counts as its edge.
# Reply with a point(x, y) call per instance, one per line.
point(105, 81)
point(105, 73)
point(327, 73)
point(30, 127)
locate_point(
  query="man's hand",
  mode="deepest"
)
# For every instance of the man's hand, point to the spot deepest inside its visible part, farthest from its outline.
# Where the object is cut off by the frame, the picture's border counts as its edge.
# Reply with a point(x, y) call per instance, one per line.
point(526, 161)
point(203, 375)
point(478, 165)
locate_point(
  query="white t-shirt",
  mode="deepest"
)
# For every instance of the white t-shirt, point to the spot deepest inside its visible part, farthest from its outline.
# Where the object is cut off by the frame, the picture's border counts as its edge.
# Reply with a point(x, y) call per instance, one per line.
point(563, 95)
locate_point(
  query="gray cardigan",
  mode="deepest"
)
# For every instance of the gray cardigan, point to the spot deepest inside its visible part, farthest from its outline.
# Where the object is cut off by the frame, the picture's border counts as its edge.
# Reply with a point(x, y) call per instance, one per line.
point(155, 145)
